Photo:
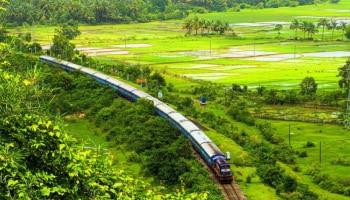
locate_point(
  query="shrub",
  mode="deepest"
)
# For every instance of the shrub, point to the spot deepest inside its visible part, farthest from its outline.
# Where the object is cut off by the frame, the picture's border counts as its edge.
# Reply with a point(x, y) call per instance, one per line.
point(249, 179)
point(303, 154)
point(309, 144)
point(133, 157)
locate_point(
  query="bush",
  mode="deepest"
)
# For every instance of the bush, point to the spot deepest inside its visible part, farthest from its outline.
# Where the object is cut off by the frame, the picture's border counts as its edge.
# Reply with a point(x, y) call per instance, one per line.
point(249, 179)
point(309, 144)
point(341, 161)
point(133, 157)
point(303, 154)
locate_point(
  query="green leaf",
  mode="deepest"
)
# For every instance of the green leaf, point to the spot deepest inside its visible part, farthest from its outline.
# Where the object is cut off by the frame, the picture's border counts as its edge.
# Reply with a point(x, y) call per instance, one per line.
point(61, 146)
point(51, 133)
point(117, 185)
point(58, 134)
point(35, 126)
point(12, 182)
point(48, 124)
point(45, 191)
point(56, 128)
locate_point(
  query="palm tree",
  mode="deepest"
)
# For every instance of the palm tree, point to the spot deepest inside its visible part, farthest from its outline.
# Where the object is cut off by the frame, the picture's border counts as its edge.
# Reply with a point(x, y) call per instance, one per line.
point(303, 26)
point(218, 26)
point(278, 28)
point(202, 24)
point(311, 29)
point(342, 27)
point(188, 25)
point(295, 25)
point(227, 26)
point(196, 24)
point(332, 25)
point(209, 25)
point(322, 22)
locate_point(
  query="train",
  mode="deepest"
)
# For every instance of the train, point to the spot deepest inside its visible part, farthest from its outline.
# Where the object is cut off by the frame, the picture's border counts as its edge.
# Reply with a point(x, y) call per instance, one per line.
point(210, 153)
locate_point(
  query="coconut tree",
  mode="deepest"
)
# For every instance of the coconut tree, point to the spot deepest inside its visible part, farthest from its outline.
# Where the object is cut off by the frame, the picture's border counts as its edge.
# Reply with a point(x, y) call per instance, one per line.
point(303, 26)
point(295, 25)
point(332, 25)
point(311, 29)
point(209, 25)
point(342, 26)
point(188, 25)
point(202, 24)
point(278, 28)
point(322, 22)
point(196, 23)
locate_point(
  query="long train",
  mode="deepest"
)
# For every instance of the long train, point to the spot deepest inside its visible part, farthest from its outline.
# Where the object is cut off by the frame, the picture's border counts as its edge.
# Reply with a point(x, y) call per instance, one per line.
point(212, 155)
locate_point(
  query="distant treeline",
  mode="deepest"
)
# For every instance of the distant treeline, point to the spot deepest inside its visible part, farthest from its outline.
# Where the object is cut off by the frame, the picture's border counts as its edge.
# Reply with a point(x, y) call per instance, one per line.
point(52, 12)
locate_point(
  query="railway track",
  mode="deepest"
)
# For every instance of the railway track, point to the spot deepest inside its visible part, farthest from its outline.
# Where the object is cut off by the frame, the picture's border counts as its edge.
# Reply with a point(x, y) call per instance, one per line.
point(233, 192)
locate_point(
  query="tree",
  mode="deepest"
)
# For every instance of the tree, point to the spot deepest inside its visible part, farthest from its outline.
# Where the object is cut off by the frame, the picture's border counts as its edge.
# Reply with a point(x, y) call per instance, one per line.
point(290, 184)
point(322, 22)
point(311, 29)
point(308, 86)
point(202, 23)
point(303, 27)
point(347, 32)
point(188, 25)
point(69, 30)
point(159, 78)
point(344, 74)
point(332, 25)
point(295, 25)
point(278, 28)
point(342, 27)
point(209, 25)
point(62, 48)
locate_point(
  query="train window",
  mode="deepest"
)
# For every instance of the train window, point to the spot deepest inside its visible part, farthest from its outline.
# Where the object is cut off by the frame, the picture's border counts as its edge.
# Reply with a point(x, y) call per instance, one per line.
point(225, 166)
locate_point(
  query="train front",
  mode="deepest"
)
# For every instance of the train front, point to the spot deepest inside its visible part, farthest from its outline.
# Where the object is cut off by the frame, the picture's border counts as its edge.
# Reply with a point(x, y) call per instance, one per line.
point(225, 170)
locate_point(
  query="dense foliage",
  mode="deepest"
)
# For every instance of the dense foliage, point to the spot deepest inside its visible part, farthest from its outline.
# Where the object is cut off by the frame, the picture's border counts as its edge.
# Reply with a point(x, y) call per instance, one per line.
point(53, 12)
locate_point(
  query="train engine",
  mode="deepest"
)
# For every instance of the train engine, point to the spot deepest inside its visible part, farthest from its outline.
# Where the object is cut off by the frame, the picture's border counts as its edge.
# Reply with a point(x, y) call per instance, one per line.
point(212, 155)
point(222, 170)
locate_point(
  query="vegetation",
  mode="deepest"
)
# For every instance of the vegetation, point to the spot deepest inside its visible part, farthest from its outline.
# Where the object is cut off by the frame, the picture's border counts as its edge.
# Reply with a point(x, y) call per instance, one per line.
point(96, 12)
point(256, 117)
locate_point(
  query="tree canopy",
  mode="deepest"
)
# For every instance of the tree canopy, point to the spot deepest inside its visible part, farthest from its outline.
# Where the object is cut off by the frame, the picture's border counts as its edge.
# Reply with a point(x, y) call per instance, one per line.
point(53, 12)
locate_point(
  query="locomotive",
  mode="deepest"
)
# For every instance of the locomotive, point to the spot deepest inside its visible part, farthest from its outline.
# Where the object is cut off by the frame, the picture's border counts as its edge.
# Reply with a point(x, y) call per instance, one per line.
point(211, 154)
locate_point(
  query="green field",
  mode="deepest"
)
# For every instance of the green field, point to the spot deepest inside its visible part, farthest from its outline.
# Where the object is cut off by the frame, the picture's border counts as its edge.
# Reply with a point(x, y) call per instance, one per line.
point(255, 56)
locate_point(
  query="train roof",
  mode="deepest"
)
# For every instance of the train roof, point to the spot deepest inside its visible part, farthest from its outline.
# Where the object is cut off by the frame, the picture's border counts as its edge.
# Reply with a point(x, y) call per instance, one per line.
point(114, 81)
point(140, 94)
point(165, 108)
point(200, 137)
point(179, 118)
point(211, 149)
point(88, 70)
point(74, 66)
point(189, 126)
point(101, 76)
point(126, 87)
point(221, 161)
point(155, 100)
point(47, 58)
